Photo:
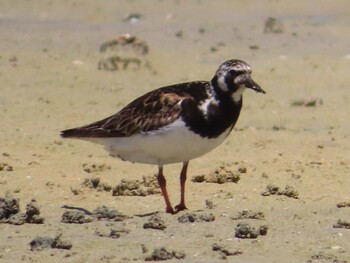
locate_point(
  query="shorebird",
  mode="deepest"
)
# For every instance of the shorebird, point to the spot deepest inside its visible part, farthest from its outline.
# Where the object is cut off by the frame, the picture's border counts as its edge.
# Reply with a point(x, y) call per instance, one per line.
point(175, 123)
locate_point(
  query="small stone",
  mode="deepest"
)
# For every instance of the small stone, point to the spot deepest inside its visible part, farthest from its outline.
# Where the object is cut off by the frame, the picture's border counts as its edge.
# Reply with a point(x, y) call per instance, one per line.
point(343, 204)
point(61, 244)
point(148, 186)
point(307, 103)
point(224, 251)
point(144, 248)
point(242, 170)
point(311, 103)
point(263, 230)
point(220, 175)
point(179, 34)
point(193, 217)
point(9, 206)
point(95, 168)
point(33, 212)
point(187, 218)
point(103, 212)
point(75, 191)
point(272, 25)
point(244, 230)
point(249, 214)
point(254, 47)
point(133, 18)
point(201, 30)
point(95, 182)
point(325, 258)
point(289, 191)
point(75, 217)
point(209, 204)
point(342, 224)
point(40, 243)
point(114, 233)
point(264, 175)
point(5, 167)
point(198, 178)
point(296, 176)
point(297, 103)
point(163, 254)
point(17, 219)
point(270, 190)
point(155, 222)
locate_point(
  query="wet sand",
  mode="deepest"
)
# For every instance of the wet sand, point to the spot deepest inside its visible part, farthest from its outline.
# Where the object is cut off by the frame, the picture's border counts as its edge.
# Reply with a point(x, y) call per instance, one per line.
point(297, 135)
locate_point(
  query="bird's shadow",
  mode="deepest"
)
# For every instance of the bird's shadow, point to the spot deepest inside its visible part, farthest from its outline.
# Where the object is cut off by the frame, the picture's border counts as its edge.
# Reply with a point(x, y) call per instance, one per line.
point(87, 212)
point(148, 214)
point(158, 212)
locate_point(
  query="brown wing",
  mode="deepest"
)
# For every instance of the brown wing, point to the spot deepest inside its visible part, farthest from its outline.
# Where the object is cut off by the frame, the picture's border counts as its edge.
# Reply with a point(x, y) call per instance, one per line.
point(149, 112)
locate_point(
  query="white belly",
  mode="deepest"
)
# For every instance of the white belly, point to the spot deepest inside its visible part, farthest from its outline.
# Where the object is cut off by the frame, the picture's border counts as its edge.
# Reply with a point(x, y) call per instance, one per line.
point(171, 144)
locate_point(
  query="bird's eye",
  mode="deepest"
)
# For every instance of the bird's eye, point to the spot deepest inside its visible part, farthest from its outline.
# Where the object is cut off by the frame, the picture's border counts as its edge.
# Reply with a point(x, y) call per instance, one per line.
point(235, 73)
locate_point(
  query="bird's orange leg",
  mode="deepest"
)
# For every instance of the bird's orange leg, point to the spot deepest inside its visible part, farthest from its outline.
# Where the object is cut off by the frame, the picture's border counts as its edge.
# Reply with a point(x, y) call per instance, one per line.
point(183, 177)
point(162, 184)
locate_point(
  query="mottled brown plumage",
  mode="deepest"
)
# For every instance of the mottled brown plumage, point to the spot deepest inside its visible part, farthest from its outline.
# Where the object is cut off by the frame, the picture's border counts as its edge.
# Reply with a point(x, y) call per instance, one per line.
point(148, 112)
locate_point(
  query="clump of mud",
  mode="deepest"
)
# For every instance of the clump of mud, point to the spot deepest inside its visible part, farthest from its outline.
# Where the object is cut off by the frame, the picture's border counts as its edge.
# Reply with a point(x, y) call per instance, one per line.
point(209, 204)
point(95, 183)
point(325, 258)
point(249, 214)
point(103, 212)
point(5, 167)
point(8, 207)
point(222, 174)
point(343, 204)
point(342, 224)
point(121, 42)
point(10, 212)
point(114, 233)
point(196, 217)
point(273, 25)
point(148, 186)
point(306, 103)
point(224, 252)
point(125, 52)
point(95, 168)
point(100, 213)
point(40, 243)
point(289, 191)
point(163, 254)
point(76, 217)
point(244, 230)
point(32, 214)
point(155, 222)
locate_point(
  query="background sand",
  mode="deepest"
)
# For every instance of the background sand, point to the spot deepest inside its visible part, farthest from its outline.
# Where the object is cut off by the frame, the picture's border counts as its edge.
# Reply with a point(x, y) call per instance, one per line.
point(49, 81)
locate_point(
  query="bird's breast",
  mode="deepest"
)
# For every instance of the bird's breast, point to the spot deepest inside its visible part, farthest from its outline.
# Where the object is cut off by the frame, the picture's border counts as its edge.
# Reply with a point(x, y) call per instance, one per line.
point(170, 144)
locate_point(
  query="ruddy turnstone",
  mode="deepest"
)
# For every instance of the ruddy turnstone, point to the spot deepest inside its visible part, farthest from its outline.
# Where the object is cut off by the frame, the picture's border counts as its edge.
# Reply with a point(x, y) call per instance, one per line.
point(174, 124)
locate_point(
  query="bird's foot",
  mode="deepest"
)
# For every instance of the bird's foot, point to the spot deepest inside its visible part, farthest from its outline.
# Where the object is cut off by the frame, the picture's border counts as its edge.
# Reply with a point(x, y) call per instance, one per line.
point(170, 210)
point(180, 207)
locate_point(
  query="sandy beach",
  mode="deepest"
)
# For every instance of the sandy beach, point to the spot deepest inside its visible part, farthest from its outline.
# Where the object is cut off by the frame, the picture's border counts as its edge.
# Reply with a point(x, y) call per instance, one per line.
point(283, 193)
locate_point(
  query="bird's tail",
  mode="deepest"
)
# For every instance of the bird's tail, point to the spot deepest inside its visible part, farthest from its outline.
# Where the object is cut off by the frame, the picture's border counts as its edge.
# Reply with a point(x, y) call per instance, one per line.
point(76, 133)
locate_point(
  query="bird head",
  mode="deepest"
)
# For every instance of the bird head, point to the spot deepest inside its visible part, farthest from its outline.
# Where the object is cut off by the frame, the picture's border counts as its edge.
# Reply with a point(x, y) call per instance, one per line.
point(233, 77)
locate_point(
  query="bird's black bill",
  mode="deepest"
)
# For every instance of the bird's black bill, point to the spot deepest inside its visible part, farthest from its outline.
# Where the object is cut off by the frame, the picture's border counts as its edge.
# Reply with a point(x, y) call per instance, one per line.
point(251, 84)
point(257, 88)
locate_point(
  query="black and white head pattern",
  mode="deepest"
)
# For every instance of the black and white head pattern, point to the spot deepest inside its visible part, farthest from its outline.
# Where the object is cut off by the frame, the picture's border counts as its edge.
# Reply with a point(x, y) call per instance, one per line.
point(233, 77)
